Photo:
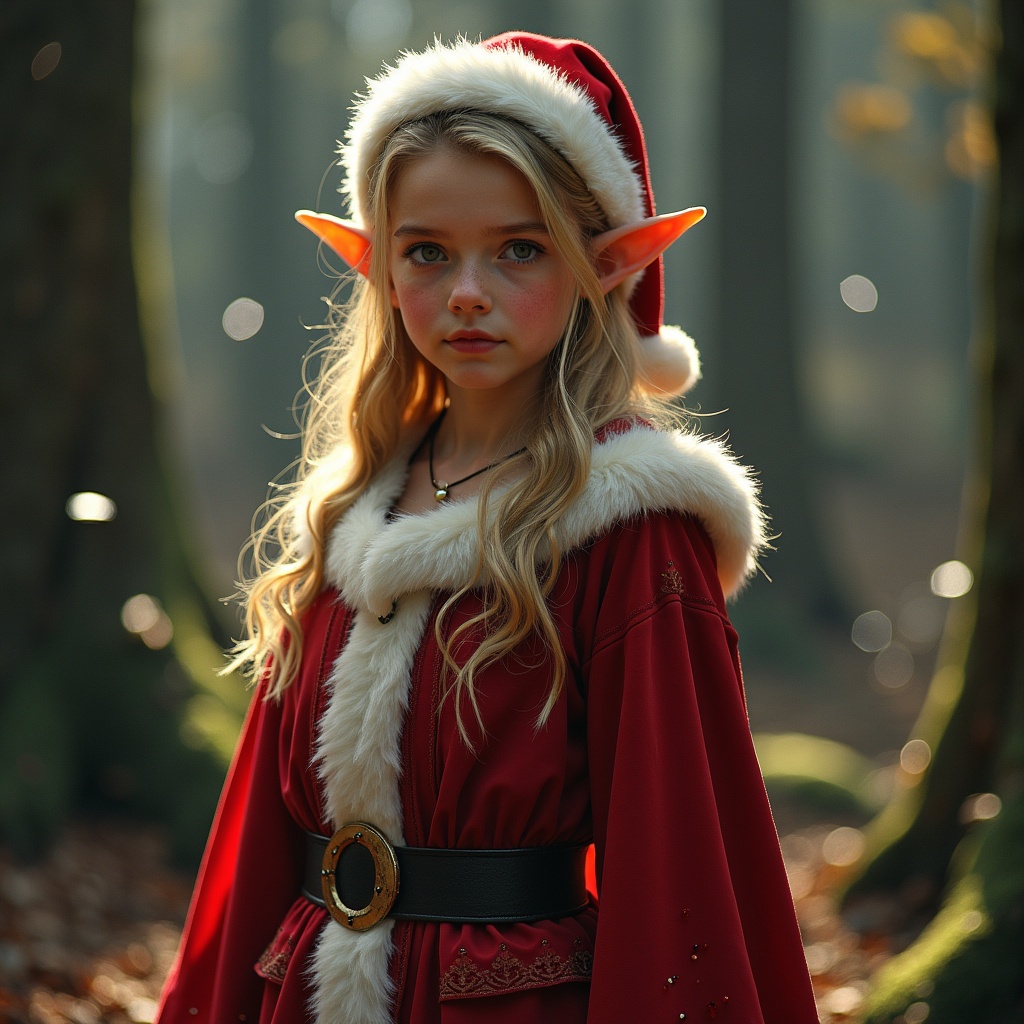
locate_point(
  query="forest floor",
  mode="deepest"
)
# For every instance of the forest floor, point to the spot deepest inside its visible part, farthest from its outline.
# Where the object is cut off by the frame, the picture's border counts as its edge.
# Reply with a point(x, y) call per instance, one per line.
point(89, 935)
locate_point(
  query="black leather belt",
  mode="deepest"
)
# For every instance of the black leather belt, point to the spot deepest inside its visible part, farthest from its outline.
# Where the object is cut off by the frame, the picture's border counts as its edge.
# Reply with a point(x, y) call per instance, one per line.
point(361, 878)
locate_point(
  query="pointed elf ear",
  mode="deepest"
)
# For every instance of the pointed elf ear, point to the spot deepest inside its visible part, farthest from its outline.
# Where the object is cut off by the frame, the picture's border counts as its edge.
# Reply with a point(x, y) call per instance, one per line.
point(351, 243)
point(623, 251)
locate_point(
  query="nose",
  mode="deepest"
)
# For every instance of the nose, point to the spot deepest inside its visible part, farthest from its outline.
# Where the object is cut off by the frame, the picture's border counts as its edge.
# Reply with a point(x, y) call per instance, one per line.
point(469, 292)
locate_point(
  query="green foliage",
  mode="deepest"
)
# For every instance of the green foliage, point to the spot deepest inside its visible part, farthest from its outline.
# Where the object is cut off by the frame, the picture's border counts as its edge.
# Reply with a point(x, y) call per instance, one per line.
point(818, 797)
point(214, 712)
point(966, 965)
point(98, 728)
point(818, 774)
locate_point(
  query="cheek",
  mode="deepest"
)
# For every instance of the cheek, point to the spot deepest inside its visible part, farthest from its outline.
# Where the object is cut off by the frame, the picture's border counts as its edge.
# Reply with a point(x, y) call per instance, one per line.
point(547, 306)
point(413, 303)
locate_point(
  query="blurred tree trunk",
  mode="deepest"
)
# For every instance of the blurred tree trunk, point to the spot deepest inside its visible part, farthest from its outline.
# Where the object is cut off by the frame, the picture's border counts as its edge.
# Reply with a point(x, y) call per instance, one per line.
point(90, 715)
point(973, 719)
point(754, 372)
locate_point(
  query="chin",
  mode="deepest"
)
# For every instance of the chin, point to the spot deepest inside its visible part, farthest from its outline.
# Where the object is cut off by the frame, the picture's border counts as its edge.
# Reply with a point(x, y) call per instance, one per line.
point(470, 381)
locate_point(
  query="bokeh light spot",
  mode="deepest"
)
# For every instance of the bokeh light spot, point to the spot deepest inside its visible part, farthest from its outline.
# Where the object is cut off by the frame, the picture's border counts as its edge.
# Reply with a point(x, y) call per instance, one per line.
point(894, 666)
point(940, 42)
point(801, 881)
point(980, 807)
point(842, 846)
point(844, 1001)
point(972, 921)
point(859, 293)
point(142, 1010)
point(157, 638)
point(46, 61)
point(915, 757)
point(140, 613)
point(872, 110)
point(916, 1013)
point(971, 148)
point(224, 148)
point(242, 319)
point(871, 631)
point(952, 579)
point(143, 616)
point(90, 507)
point(820, 957)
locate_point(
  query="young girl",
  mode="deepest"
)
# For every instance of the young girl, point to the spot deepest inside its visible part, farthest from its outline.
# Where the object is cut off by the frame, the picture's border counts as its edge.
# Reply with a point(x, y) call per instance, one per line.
point(488, 621)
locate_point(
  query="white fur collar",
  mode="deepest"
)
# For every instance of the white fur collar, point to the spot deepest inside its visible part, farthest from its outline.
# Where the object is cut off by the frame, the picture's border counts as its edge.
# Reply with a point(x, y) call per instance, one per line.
point(634, 472)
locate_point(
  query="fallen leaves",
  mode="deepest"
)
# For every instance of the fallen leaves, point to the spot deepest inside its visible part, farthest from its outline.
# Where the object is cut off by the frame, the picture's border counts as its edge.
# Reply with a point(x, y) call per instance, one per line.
point(89, 935)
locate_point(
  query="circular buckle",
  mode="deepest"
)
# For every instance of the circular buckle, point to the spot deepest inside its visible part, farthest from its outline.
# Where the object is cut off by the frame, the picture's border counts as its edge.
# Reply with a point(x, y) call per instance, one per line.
point(385, 876)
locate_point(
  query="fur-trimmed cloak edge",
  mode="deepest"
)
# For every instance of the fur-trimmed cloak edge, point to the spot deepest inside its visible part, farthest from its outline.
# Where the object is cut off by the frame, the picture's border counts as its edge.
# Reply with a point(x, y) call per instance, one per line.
point(381, 566)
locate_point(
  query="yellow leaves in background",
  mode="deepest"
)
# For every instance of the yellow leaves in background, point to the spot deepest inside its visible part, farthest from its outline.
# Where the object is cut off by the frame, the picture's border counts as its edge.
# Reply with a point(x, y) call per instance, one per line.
point(951, 50)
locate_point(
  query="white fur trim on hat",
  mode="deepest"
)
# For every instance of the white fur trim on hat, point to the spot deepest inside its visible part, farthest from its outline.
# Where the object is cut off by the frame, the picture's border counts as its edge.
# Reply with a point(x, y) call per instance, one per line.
point(669, 361)
point(502, 80)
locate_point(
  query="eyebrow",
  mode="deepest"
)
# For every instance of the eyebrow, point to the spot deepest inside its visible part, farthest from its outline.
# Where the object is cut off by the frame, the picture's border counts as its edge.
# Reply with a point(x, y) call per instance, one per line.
point(528, 226)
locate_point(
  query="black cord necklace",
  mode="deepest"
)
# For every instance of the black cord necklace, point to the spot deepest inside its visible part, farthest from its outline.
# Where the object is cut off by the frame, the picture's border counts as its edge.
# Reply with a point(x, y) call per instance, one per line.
point(442, 490)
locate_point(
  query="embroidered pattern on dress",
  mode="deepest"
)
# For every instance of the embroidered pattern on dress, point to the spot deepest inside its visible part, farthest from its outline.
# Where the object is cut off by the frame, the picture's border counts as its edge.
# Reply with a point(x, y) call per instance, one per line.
point(507, 973)
point(672, 581)
point(273, 963)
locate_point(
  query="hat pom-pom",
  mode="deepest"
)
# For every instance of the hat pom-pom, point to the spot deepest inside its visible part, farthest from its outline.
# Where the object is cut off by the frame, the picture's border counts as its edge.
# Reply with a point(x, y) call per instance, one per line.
point(669, 361)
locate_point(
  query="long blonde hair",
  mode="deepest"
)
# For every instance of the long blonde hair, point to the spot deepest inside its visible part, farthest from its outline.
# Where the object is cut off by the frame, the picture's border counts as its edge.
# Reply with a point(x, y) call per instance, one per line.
point(373, 386)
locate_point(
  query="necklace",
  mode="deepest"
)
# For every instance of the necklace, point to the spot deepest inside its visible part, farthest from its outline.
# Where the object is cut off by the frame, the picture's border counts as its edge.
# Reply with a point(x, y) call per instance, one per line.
point(441, 490)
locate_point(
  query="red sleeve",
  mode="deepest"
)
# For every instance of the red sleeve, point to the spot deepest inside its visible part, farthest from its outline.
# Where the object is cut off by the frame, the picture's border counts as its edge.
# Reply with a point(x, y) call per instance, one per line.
point(248, 879)
point(691, 880)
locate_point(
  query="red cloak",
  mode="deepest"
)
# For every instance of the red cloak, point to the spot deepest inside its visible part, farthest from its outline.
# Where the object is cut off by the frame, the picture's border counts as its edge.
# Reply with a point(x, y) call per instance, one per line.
point(647, 754)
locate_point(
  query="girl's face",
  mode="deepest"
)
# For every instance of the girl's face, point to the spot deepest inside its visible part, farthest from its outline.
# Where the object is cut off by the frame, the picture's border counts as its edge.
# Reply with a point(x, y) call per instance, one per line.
point(483, 293)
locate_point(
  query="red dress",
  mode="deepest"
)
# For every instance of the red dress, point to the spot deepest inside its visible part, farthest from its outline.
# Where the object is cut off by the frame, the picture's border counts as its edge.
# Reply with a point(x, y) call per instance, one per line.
point(647, 754)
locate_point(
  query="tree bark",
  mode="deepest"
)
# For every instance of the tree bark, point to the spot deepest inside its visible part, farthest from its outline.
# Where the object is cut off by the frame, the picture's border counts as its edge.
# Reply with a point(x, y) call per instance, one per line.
point(753, 375)
point(89, 715)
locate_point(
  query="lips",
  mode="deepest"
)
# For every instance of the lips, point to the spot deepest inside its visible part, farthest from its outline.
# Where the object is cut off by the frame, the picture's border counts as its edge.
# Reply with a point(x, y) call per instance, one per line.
point(472, 341)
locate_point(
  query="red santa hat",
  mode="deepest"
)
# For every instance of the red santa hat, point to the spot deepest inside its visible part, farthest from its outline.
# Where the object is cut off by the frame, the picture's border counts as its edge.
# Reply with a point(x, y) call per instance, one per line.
point(569, 95)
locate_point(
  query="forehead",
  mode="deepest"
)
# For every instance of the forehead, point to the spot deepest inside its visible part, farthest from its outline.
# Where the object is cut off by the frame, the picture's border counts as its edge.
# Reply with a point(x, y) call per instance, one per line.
point(449, 184)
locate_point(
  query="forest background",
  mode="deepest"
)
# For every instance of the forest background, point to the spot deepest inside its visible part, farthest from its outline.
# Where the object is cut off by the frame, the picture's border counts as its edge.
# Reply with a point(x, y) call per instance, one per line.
point(861, 347)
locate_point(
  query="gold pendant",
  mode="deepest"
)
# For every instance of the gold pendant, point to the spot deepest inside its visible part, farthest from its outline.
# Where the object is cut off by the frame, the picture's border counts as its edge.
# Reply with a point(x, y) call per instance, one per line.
point(441, 493)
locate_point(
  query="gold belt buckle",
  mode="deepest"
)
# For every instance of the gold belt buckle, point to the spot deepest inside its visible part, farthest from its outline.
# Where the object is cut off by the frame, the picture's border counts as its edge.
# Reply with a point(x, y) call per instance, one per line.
point(385, 876)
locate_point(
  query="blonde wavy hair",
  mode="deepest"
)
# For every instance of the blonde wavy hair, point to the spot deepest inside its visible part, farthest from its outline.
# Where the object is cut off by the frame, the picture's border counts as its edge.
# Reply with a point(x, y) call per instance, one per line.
point(373, 388)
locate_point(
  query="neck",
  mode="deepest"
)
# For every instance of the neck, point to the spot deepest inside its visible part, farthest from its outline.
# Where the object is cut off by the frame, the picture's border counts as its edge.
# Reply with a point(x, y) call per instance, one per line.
point(480, 427)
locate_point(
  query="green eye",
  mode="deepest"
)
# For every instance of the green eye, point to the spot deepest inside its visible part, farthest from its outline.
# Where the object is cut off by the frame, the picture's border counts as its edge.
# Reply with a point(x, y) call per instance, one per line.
point(430, 253)
point(522, 252)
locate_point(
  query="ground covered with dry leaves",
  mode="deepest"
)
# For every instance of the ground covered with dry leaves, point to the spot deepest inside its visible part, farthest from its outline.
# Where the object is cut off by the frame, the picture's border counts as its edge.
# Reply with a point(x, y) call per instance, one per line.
point(89, 935)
